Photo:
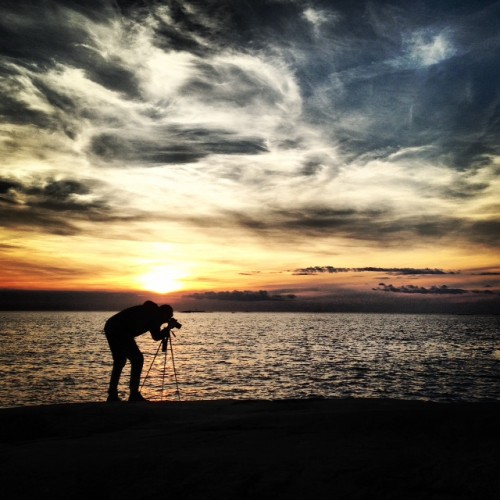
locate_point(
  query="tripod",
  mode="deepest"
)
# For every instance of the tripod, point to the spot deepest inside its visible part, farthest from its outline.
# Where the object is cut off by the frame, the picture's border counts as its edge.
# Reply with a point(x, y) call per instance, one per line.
point(164, 344)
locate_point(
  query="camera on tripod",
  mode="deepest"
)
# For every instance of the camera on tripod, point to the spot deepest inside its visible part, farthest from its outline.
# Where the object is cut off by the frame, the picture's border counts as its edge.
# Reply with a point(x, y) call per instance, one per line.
point(172, 323)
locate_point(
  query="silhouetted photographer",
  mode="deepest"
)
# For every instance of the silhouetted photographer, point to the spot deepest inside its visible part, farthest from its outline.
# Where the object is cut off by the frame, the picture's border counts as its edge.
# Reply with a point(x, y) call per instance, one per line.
point(121, 330)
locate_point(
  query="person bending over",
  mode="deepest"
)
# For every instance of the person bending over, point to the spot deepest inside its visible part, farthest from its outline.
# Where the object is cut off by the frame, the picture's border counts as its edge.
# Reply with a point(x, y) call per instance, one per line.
point(121, 330)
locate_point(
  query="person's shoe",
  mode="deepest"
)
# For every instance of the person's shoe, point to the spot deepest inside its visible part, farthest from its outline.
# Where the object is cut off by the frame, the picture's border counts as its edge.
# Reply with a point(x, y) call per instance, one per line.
point(137, 397)
point(113, 398)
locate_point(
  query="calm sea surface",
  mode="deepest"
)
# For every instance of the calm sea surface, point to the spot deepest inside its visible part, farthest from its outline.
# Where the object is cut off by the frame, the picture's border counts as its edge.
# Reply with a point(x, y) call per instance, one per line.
point(56, 357)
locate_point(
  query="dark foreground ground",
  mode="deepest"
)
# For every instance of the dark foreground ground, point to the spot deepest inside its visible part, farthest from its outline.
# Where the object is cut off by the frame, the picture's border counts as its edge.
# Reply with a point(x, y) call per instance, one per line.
point(307, 449)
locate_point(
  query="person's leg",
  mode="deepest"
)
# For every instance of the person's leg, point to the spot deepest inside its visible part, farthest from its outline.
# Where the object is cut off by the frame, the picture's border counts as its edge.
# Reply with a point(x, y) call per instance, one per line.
point(136, 363)
point(119, 360)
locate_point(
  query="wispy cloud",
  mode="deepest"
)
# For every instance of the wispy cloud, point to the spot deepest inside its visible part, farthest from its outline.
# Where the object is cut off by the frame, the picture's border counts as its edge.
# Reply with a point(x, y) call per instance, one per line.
point(424, 48)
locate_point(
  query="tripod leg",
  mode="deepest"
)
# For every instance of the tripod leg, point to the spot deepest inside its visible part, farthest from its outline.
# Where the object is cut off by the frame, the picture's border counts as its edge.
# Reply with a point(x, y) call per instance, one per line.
point(175, 372)
point(163, 376)
point(150, 366)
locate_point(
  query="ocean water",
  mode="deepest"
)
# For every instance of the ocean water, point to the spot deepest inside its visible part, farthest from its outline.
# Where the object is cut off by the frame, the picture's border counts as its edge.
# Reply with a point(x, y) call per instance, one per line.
point(59, 357)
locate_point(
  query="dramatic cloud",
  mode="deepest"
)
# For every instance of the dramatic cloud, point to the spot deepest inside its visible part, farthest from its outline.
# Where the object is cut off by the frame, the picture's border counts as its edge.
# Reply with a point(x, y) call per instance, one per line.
point(193, 83)
point(50, 203)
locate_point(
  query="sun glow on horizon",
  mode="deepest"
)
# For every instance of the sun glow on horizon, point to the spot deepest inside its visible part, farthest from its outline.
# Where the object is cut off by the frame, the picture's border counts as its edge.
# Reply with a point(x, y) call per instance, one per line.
point(161, 280)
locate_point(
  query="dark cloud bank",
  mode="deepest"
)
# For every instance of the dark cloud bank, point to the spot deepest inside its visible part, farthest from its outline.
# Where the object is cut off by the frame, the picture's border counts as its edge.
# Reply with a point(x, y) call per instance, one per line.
point(306, 271)
point(433, 290)
point(241, 296)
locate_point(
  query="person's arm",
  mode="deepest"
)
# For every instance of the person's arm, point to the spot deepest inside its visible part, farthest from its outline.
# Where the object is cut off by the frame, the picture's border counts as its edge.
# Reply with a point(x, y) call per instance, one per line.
point(157, 333)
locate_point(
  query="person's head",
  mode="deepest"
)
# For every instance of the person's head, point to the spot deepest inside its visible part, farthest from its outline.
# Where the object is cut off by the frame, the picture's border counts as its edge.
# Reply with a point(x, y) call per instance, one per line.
point(166, 312)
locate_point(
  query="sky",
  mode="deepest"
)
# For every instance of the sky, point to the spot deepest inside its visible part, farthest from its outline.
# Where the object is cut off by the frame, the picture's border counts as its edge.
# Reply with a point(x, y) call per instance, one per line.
point(300, 155)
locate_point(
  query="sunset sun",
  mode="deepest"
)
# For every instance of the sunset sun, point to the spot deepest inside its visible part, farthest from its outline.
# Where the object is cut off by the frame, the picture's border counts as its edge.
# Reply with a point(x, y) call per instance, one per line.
point(161, 280)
